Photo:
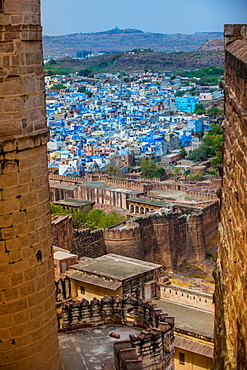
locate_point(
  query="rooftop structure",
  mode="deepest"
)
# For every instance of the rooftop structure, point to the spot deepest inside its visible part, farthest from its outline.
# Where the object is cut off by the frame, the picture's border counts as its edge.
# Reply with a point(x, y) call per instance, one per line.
point(114, 275)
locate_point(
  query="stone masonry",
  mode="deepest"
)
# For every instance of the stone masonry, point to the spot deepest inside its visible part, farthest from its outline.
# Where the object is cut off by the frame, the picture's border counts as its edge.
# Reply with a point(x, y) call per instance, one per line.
point(153, 348)
point(28, 334)
point(168, 239)
point(231, 270)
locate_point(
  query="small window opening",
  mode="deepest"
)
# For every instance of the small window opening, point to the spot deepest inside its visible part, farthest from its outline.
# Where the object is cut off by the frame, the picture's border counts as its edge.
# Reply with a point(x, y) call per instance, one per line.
point(82, 289)
point(181, 358)
point(1, 6)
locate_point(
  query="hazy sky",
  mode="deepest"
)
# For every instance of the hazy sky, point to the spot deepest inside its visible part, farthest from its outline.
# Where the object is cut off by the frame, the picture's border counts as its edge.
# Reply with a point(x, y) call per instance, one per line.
point(61, 17)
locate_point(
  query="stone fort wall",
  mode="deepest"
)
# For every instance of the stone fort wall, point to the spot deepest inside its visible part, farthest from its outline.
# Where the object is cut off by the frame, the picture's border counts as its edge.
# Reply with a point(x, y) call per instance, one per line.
point(231, 271)
point(28, 328)
point(167, 239)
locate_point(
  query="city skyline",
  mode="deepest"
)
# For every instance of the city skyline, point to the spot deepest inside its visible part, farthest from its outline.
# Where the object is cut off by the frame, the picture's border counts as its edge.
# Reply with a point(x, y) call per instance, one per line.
point(160, 16)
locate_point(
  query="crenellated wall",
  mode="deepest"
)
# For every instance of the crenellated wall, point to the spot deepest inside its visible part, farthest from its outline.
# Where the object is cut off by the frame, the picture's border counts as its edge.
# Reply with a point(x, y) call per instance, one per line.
point(125, 241)
point(231, 271)
point(88, 243)
point(109, 310)
point(167, 239)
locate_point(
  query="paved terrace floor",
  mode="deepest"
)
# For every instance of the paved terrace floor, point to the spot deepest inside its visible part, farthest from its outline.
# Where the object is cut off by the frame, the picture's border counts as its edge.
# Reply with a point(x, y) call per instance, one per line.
point(91, 349)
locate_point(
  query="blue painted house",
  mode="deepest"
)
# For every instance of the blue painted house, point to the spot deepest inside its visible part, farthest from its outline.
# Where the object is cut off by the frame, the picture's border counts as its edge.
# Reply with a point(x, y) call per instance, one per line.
point(186, 103)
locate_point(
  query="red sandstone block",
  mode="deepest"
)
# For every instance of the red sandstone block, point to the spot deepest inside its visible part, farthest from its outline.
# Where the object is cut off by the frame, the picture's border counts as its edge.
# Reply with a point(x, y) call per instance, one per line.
point(10, 129)
point(21, 266)
point(5, 282)
point(6, 47)
point(5, 221)
point(12, 244)
point(4, 258)
point(10, 308)
point(8, 233)
point(16, 279)
point(2, 246)
point(11, 294)
point(6, 323)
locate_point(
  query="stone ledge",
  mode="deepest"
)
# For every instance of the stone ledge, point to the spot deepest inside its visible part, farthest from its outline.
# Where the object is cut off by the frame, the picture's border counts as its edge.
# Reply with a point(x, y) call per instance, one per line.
point(25, 142)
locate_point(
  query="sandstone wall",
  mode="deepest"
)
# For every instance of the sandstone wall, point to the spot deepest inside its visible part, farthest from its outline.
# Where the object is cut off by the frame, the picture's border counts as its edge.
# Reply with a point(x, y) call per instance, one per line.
point(167, 239)
point(62, 232)
point(210, 220)
point(187, 296)
point(88, 243)
point(231, 272)
point(28, 327)
point(126, 241)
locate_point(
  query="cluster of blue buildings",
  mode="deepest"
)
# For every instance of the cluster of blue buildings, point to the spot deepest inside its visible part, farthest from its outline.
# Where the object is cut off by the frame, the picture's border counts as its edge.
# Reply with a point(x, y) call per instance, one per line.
point(119, 124)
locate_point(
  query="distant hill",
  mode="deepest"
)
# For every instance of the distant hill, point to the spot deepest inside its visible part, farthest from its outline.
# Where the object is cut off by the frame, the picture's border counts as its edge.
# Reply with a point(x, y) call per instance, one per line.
point(212, 45)
point(139, 62)
point(117, 40)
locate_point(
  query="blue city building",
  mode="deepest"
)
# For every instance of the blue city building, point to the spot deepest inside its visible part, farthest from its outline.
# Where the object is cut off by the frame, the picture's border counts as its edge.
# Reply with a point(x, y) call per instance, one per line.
point(186, 103)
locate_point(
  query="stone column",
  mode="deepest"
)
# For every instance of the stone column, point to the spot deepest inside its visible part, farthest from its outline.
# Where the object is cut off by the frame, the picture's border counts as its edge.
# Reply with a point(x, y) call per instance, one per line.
point(28, 327)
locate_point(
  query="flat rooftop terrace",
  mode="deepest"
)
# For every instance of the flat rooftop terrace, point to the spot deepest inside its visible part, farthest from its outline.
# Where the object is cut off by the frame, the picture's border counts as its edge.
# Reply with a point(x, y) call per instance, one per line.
point(176, 196)
point(91, 349)
point(188, 318)
point(102, 185)
point(115, 267)
point(151, 202)
point(73, 202)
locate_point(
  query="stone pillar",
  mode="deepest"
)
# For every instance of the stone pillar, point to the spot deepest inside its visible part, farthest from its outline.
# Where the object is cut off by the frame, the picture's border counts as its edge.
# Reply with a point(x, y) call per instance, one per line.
point(28, 327)
point(231, 270)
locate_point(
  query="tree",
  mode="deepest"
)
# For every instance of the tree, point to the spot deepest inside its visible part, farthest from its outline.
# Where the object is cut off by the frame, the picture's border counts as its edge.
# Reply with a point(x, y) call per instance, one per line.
point(150, 169)
point(89, 93)
point(199, 109)
point(176, 171)
point(186, 173)
point(183, 152)
point(85, 72)
point(57, 87)
point(198, 154)
point(179, 93)
point(210, 147)
point(93, 219)
point(215, 112)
